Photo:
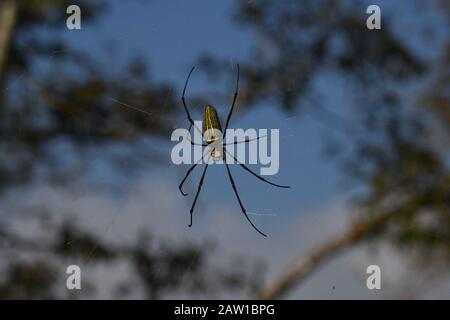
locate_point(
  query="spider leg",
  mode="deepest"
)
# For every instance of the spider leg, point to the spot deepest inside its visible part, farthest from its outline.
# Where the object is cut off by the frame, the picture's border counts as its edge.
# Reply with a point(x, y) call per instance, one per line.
point(232, 105)
point(245, 141)
point(198, 192)
point(256, 175)
point(240, 202)
point(193, 143)
point(187, 175)
point(191, 122)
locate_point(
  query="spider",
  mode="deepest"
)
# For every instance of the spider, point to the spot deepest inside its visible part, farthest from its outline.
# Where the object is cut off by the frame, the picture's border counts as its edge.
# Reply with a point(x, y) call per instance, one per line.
point(212, 134)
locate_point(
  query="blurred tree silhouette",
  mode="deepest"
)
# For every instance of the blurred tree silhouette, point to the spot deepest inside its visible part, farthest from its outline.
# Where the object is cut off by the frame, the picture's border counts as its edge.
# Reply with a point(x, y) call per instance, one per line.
point(399, 144)
point(160, 268)
point(72, 100)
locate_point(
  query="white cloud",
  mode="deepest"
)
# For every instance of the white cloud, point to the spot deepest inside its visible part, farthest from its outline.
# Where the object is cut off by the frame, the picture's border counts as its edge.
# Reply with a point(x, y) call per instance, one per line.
point(153, 203)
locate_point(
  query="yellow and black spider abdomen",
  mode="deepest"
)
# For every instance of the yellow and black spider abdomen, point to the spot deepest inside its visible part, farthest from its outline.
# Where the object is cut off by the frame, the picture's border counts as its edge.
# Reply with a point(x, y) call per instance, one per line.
point(211, 124)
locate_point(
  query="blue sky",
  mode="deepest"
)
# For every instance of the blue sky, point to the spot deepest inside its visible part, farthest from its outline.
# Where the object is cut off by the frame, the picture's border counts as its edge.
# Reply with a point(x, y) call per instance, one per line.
point(171, 36)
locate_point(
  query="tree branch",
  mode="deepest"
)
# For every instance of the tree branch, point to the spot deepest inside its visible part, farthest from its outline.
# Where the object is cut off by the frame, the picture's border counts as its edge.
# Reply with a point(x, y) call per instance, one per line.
point(305, 266)
point(8, 15)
